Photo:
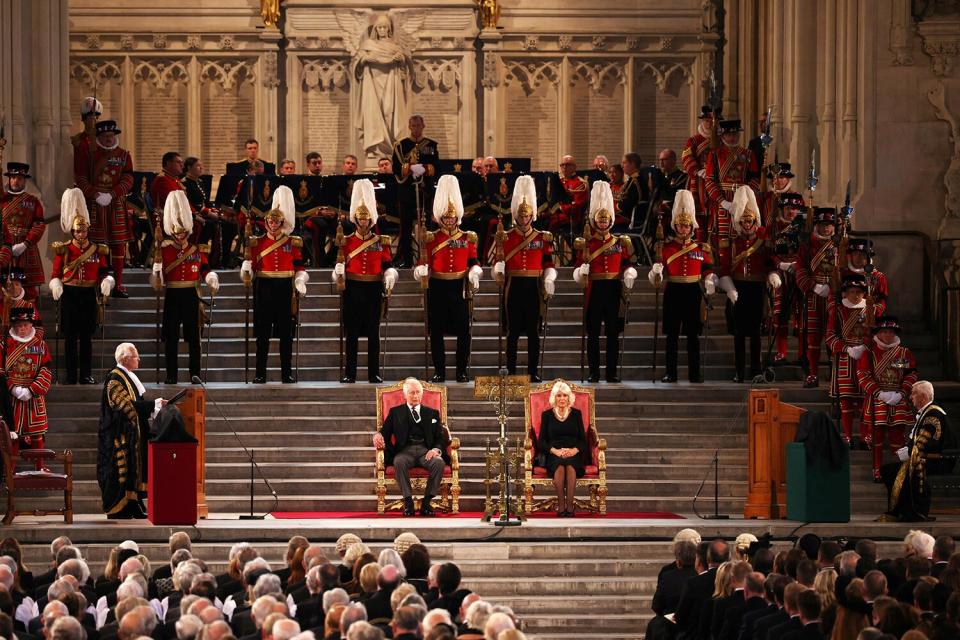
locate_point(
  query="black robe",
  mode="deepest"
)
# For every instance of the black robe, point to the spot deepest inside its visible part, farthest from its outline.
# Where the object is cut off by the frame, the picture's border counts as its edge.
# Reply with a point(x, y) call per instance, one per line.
point(122, 442)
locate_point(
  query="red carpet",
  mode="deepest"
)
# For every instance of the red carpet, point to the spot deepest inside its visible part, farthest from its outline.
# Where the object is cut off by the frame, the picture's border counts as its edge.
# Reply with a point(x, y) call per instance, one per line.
point(475, 515)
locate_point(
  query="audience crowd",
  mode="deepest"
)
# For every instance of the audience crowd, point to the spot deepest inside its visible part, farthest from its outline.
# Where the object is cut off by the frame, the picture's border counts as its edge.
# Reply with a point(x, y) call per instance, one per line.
point(357, 595)
point(818, 589)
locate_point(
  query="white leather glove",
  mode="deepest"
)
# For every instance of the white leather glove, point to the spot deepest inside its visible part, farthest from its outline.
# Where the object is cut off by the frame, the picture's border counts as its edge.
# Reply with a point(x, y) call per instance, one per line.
point(702, 173)
point(710, 284)
point(158, 268)
point(894, 398)
point(629, 277)
point(579, 276)
point(418, 169)
point(56, 288)
point(499, 269)
point(300, 282)
point(786, 267)
point(107, 285)
point(732, 295)
point(726, 204)
point(156, 275)
point(213, 281)
point(339, 270)
point(104, 199)
point(549, 281)
point(585, 269)
point(390, 278)
point(18, 248)
point(822, 290)
point(473, 276)
point(421, 271)
point(774, 280)
point(903, 454)
point(14, 435)
point(246, 270)
point(856, 352)
point(657, 268)
point(22, 393)
point(726, 284)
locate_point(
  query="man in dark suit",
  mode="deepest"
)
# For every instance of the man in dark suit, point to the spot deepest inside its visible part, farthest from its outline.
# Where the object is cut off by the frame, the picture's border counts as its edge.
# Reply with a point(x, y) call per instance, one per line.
point(378, 605)
point(732, 602)
point(412, 436)
point(670, 583)
point(943, 548)
point(699, 588)
point(809, 606)
point(773, 588)
point(791, 596)
point(252, 153)
point(753, 592)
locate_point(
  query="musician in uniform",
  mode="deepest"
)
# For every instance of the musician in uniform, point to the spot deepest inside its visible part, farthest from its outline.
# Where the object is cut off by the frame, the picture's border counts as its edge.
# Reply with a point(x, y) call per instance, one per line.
point(788, 299)
point(527, 255)
point(363, 272)
point(686, 263)
point(694, 160)
point(668, 178)
point(848, 338)
point(886, 373)
point(179, 270)
point(105, 175)
point(633, 192)
point(860, 255)
point(80, 274)
point(782, 176)
point(26, 367)
point(747, 269)
point(218, 230)
point(816, 262)
point(23, 227)
point(251, 149)
point(577, 188)
point(415, 159)
point(166, 182)
point(452, 267)
point(274, 265)
point(605, 271)
point(728, 168)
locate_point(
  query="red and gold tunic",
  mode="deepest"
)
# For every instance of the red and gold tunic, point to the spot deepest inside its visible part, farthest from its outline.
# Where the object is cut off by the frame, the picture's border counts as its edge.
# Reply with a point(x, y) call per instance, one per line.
point(527, 254)
point(608, 258)
point(789, 279)
point(451, 254)
point(846, 327)
point(892, 369)
point(686, 262)
point(877, 282)
point(183, 265)
point(23, 222)
point(694, 158)
point(749, 260)
point(366, 258)
point(27, 364)
point(815, 265)
point(278, 257)
point(578, 189)
point(727, 168)
point(161, 187)
point(105, 171)
point(79, 266)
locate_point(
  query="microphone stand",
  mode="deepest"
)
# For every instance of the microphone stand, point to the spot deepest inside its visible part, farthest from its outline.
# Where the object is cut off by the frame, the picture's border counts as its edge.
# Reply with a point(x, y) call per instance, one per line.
point(253, 462)
point(716, 515)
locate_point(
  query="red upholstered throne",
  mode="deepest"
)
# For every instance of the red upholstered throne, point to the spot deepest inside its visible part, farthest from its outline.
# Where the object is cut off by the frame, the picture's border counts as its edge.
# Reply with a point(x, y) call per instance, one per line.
point(435, 397)
point(38, 481)
point(595, 477)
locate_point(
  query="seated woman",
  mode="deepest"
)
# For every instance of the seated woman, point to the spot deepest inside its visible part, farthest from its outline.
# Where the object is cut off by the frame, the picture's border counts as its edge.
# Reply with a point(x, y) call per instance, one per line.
point(562, 446)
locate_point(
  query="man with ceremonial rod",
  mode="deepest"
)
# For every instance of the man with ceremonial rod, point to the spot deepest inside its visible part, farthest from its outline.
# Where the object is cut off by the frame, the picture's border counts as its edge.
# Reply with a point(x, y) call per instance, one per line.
point(694, 160)
point(454, 278)
point(179, 271)
point(362, 273)
point(604, 271)
point(415, 160)
point(686, 262)
point(816, 262)
point(274, 265)
point(527, 256)
point(80, 276)
point(788, 299)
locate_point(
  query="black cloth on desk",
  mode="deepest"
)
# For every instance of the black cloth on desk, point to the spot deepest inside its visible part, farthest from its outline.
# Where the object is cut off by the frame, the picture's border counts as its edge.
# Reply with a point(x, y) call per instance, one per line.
point(821, 439)
point(555, 433)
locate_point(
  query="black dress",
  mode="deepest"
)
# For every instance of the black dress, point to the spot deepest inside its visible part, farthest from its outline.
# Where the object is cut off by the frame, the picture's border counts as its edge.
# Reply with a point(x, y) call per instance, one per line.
point(558, 434)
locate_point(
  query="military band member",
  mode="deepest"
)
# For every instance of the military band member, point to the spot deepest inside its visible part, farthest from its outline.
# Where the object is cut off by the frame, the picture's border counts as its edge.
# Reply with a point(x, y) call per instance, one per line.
point(788, 299)
point(694, 160)
point(179, 271)
point(633, 191)
point(15, 298)
point(577, 188)
point(886, 372)
point(26, 367)
point(859, 255)
point(727, 169)
point(23, 227)
point(166, 182)
point(668, 178)
point(415, 160)
point(218, 229)
point(365, 272)
point(686, 262)
point(80, 273)
point(848, 338)
point(274, 265)
point(527, 255)
point(816, 262)
point(251, 152)
point(747, 270)
point(782, 176)
point(105, 175)
point(605, 270)
point(452, 266)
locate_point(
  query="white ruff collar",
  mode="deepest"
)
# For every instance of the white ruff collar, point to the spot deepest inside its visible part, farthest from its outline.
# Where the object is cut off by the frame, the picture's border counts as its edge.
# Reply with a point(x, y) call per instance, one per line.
point(860, 305)
point(115, 145)
point(885, 347)
point(33, 332)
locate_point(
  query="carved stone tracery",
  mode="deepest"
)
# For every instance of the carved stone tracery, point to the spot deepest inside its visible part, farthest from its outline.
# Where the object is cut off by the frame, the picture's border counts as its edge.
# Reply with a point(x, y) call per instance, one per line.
point(228, 73)
point(96, 72)
point(598, 73)
point(160, 72)
point(662, 72)
point(436, 73)
point(531, 74)
point(324, 74)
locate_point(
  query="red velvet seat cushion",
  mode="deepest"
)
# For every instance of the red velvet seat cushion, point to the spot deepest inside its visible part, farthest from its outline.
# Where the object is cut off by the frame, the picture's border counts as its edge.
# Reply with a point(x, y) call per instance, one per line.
point(417, 472)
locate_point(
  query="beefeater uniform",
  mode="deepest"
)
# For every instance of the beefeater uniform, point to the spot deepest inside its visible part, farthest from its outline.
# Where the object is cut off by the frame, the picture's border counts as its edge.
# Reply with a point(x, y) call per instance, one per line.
point(693, 158)
point(880, 369)
point(727, 168)
point(787, 299)
point(22, 224)
point(876, 280)
point(97, 170)
point(816, 262)
point(27, 364)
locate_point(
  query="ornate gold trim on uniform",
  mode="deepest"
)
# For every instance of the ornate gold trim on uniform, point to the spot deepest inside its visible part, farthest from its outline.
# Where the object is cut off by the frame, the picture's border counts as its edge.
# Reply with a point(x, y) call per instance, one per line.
point(182, 284)
point(683, 279)
point(275, 274)
point(363, 277)
point(453, 275)
point(525, 273)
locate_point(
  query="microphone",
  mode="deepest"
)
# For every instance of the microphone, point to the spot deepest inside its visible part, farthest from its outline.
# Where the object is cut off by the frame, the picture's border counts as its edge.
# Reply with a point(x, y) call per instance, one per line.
point(253, 462)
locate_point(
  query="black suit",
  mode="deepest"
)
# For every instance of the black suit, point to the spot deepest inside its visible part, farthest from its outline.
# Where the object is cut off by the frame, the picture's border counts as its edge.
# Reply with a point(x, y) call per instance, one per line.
point(938, 568)
point(720, 608)
point(781, 630)
point(378, 605)
point(695, 592)
point(240, 168)
point(810, 631)
point(733, 619)
point(405, 454)
point(750, 618)
point(762, 626)
point(669, 589)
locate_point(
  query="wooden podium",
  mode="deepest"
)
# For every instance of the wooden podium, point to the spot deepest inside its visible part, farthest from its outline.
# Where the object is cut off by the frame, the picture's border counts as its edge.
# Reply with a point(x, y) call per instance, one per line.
point(193, 408)
point(772, 424)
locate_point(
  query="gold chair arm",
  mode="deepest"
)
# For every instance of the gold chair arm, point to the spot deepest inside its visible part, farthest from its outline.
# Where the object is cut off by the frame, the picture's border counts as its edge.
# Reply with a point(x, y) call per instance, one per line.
point(455, 454)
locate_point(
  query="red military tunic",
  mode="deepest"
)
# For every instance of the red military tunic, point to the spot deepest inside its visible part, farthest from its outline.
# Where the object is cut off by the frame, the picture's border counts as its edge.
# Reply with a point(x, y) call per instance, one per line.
point(366, 258)
point(727, 168)
point(608, 258)
point(451, 255)
point(79, 267)
point(527, 255)
point(276, 257)
point(578, 189)
point(815, 265)
point(686, 262)
point(749, 260)
point(877, 281)
point(105, 171)
point(23, 222)
point(183, 265)
point(694, 158)
point(161, 187)
point(846, 327)
point(891, 369)
point(27, 364)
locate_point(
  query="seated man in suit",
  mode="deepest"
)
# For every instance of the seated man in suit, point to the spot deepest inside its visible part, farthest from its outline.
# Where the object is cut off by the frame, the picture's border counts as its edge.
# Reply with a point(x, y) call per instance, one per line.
point(413, 437)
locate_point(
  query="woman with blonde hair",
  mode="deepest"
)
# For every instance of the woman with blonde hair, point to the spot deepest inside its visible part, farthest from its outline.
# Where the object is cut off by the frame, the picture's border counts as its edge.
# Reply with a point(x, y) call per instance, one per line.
point(722, 585)
point(562, 446)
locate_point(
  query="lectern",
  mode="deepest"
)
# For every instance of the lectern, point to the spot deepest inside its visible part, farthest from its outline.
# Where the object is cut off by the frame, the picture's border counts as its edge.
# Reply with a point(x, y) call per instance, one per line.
point(772, 424)
point(193, 408)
